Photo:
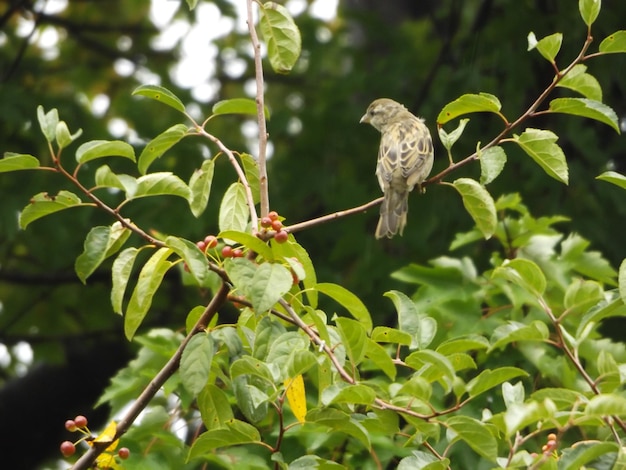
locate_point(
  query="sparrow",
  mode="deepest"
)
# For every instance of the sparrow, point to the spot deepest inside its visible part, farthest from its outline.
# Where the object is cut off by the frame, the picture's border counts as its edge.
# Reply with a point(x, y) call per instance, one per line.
point(405, 158)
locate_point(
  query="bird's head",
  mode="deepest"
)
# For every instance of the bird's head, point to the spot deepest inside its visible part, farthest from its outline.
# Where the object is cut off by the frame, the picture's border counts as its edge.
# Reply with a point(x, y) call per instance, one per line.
point(382, 112)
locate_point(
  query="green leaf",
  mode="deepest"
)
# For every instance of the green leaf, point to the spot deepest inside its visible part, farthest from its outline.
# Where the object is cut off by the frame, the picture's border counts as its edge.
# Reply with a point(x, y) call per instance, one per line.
point(584, 107)
point(48, 122)
point(161, 94)
point(149, 280)
point(384, 334)
point(63, 136)
point(251, 400)
point(192, 4)
point(421, 328)
point(613, 177)
point(524, 273)
point(512, 394)
point(489, 379)
point(300, 361)
point(519, 416)
point(240, 271)
point(214, 407)
point(159, 145)
point(448, 140)
point(268, 284)
point(195, 362)
point(479, 204)
point(586, 452)
point(606, 405)
point(469, 103)
point(475, 434)
point(423, 461)
point(17, 161)
point(355, 394)
point(516, 331)
point(579, 80)
point(563, 398)
point(548, 47)
point(380, 357)
point(492, 161)
point(120, 273)
point(292, 249)
point(540, 145)
point(193, 257)
point(106, 178)
point(431, 365)
point(159, 184)
point(282, 348)
point(281, 36)
point(251, 169)
point(614, 43)
point(463, 344)
point(581, 295)
point(249, 241)
point(234, 432)
point(43, 204)
point(589, 10)
point(104, 148)
point(347, 299)
point(238, 106)
point(200, 187)
point(339, 421)
point(353, 337)
point(101, 242)
point(234, 213)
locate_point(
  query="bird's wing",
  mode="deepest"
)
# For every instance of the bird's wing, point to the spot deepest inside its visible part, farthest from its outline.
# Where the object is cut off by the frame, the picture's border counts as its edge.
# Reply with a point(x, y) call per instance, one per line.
point(405, 147)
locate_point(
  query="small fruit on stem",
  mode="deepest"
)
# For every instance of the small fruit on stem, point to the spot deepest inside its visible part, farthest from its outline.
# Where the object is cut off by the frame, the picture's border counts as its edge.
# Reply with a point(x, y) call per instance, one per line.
point(70, 425)
point(281, 236)
point(80, 421)
point(123, 453)
point(67, 448)
point(210, 241)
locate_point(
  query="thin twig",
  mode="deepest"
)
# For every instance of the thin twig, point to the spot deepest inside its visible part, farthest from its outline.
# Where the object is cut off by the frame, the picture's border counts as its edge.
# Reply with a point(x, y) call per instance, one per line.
point(260, 106)
point(254, 218)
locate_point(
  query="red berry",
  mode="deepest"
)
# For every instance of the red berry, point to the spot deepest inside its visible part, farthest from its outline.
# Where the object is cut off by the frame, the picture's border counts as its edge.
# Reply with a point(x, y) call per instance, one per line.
point(227, 251)
point(281, 236)
point(70, 425)
point(123, 453)
point(237, 253)
point(67, 448)
point(80, 421)
point(277, 225)
point(210, 241)
point(273, 215)
point(266, 222)
point(201, 246)
point(552, 437)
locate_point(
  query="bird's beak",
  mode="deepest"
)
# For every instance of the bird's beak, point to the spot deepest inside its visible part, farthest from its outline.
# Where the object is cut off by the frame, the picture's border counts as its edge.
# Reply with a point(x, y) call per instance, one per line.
point(364, 119)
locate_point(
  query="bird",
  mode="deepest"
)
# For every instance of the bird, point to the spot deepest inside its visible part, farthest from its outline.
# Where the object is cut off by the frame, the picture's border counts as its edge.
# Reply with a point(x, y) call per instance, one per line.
point(405, 159)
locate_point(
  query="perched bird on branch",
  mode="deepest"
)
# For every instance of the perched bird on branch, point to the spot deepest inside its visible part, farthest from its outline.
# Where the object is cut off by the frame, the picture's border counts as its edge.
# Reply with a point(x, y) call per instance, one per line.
point(405, 158)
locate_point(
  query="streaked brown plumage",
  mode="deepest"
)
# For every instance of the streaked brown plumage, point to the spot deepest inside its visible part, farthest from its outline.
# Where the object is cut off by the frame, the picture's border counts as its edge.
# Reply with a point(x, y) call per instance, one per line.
point(405, 158)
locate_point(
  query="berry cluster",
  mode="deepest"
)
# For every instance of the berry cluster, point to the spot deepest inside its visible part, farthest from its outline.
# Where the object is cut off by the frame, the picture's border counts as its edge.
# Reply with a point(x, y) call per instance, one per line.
point(79, 423)
point(550, 445)
point(272, 222)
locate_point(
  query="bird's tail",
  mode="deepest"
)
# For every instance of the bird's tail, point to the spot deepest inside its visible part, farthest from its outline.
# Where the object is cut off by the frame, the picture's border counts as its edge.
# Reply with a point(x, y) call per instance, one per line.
point(393, 214)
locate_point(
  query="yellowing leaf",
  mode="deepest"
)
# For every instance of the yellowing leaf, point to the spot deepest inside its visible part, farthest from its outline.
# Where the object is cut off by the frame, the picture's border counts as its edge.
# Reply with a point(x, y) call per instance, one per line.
point(107, 436)
point(296, 397)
